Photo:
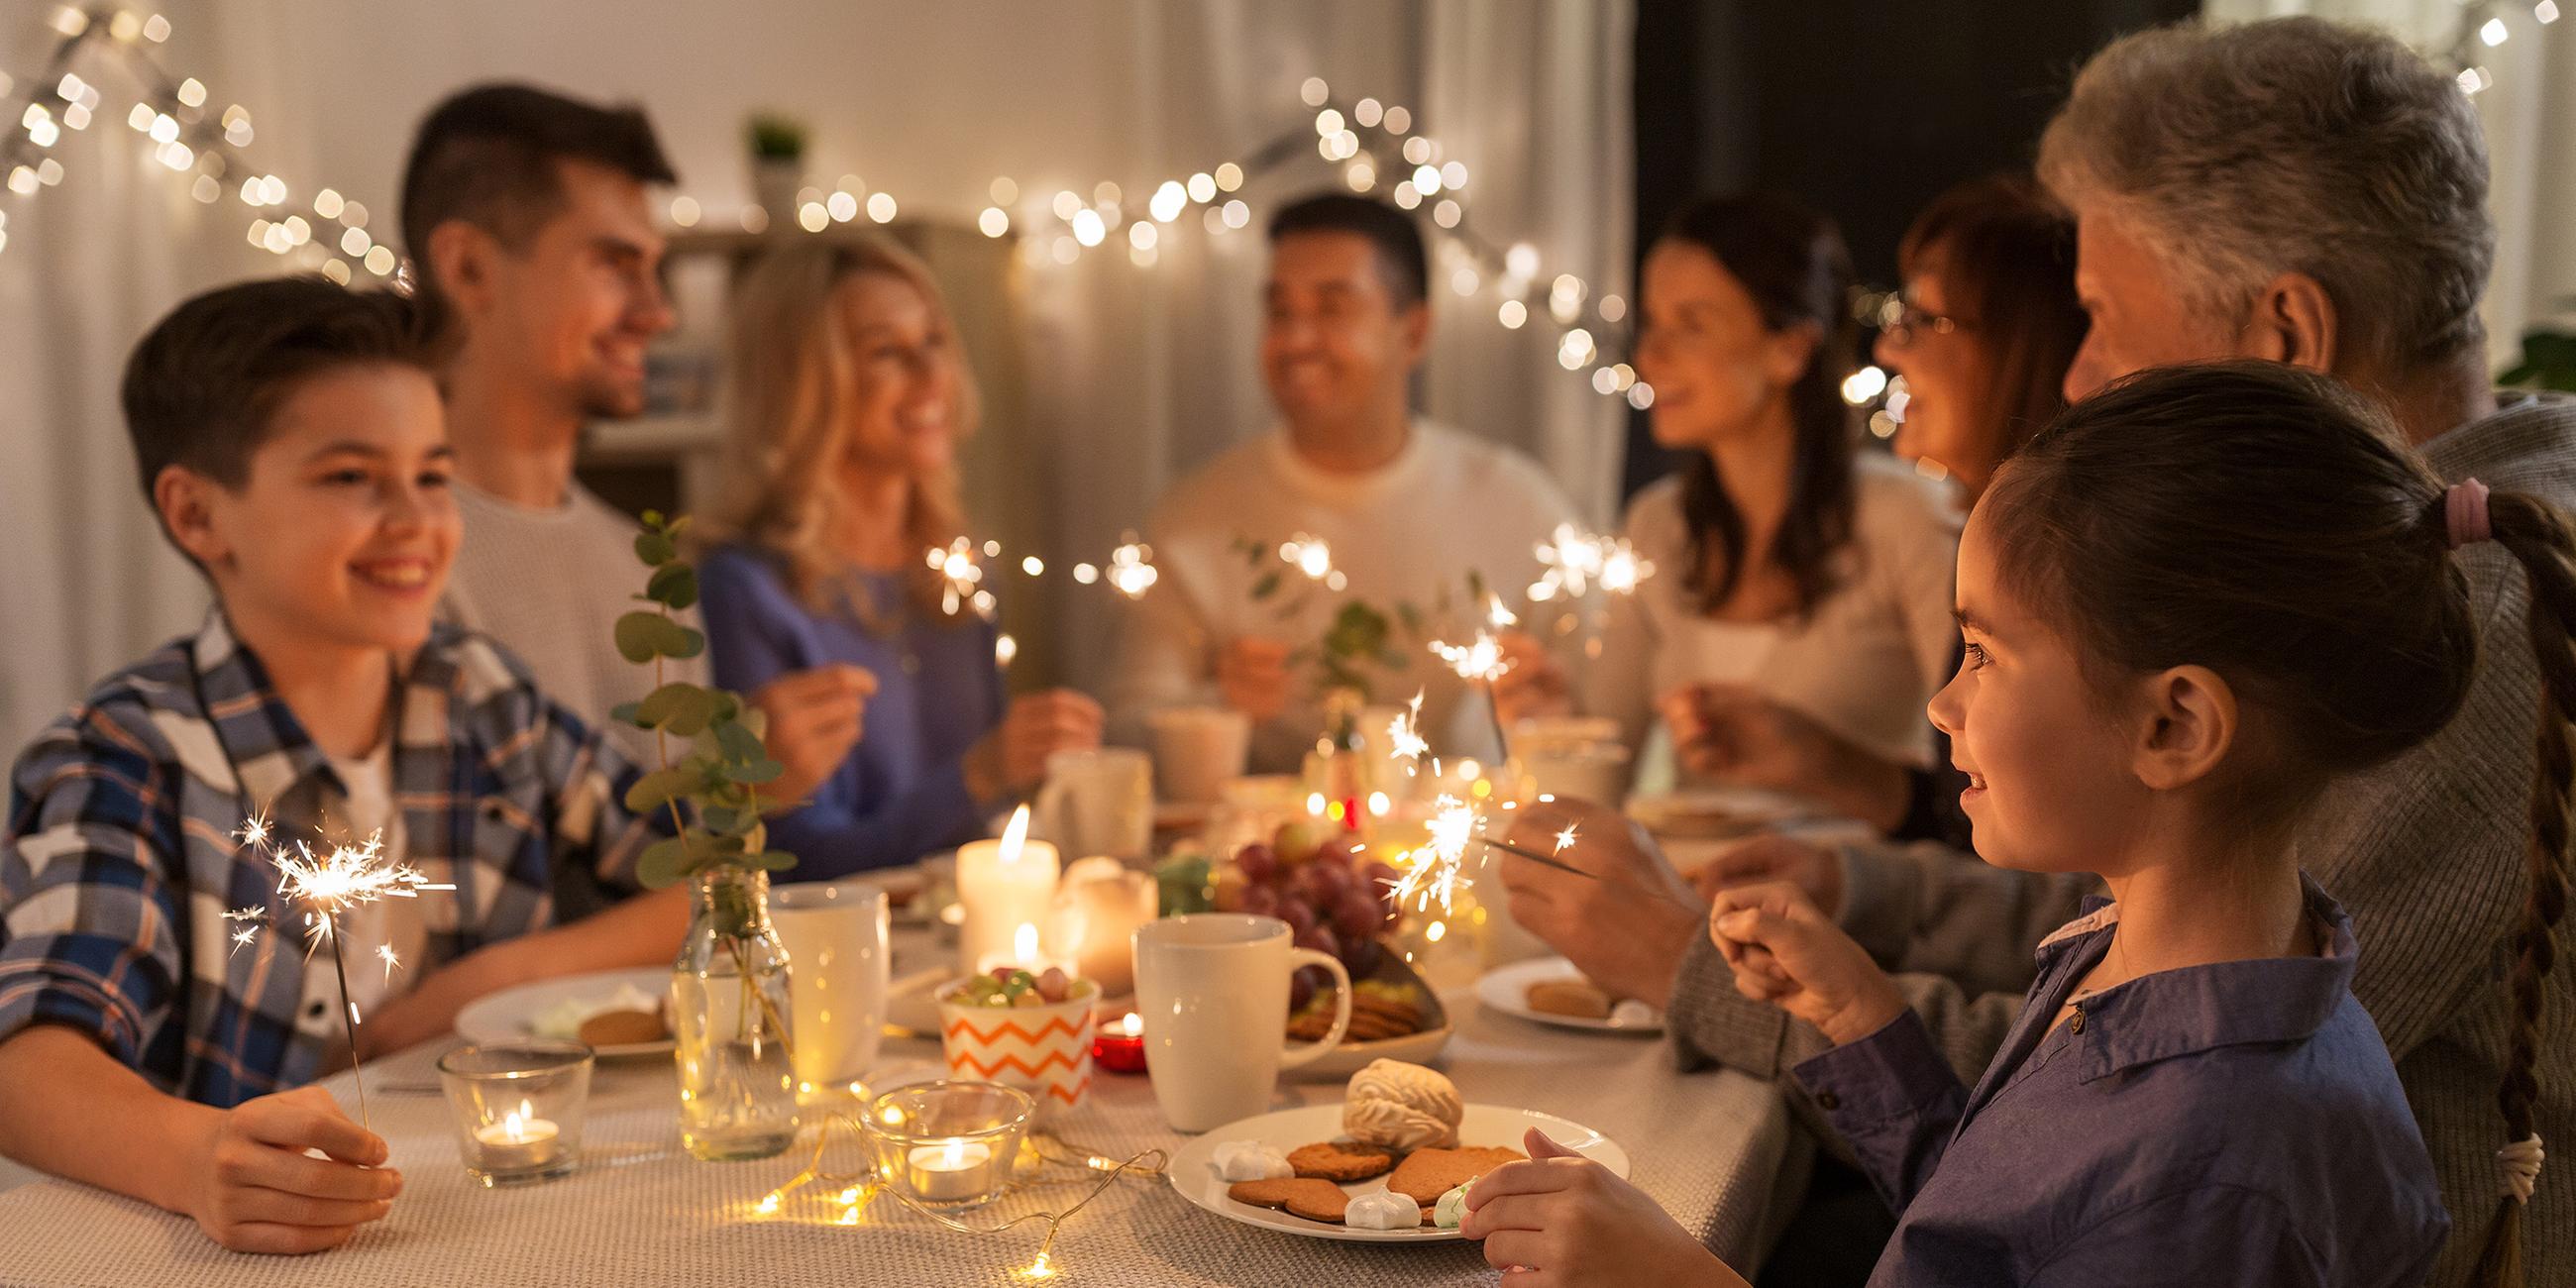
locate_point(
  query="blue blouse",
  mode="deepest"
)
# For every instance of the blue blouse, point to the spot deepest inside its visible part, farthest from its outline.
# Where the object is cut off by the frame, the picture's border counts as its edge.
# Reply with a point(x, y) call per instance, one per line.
point(902, 793)
point(2231, 1124)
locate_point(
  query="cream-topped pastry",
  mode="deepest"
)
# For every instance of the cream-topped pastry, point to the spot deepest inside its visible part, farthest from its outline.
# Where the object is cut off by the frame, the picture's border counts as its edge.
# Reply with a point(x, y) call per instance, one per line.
point(1250, 1160)
point(1402, 1107)
point(1451, 1211)
point(1380, 1210)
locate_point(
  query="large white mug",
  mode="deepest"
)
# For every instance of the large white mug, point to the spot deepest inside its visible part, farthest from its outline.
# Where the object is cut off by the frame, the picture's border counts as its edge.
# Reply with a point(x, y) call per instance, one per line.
point(1099, 800)
point(837, 966)
point(1196, 749)
point(1212, 991)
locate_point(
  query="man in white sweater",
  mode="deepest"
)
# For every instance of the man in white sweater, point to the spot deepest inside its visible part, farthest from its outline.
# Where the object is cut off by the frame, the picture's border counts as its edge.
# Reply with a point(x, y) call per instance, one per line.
point(1408, 509)
point(538, 264)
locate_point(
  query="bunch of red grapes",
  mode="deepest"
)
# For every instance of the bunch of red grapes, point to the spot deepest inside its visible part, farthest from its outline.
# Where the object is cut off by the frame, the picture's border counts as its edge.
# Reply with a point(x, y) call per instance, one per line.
point(1331, 895)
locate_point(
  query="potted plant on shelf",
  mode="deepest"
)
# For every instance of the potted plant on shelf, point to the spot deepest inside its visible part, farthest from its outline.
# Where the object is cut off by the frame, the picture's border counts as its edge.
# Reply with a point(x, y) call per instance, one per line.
point(729, 986)
point(777, 165)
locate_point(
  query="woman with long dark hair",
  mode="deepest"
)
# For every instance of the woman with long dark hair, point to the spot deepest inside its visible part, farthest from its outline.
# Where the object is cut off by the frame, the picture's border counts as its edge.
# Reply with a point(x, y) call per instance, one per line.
point(1789, 564)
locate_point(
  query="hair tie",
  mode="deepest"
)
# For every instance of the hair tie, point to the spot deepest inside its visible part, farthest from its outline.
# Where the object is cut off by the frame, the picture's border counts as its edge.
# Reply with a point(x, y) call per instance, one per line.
point(2464, 512)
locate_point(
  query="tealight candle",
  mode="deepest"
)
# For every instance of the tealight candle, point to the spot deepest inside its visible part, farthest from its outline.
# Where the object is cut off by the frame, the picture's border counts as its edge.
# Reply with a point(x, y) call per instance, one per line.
point(1120, 1048)
point(517, 1108)
point(517, 1142)
point(1002, 885)
point(957, 1170)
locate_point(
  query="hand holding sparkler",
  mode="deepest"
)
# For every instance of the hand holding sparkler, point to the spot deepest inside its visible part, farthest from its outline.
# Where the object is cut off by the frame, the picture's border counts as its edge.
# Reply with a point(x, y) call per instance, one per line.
point(1625, 922)
point(252, 1186)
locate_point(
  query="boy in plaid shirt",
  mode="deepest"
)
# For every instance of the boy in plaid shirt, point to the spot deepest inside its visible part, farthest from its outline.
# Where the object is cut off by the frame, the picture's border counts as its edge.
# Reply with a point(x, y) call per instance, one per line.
point(291, 440)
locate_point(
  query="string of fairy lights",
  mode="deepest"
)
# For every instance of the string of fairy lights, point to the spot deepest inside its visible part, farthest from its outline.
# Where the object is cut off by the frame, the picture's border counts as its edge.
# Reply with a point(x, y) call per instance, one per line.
point(1374, 146)
point(1374, 149)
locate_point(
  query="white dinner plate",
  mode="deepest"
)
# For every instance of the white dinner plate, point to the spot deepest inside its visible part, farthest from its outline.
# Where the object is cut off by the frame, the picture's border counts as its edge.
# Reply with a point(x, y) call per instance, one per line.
point(1506, 989)
point(1193, 1168)
point(511, 1014)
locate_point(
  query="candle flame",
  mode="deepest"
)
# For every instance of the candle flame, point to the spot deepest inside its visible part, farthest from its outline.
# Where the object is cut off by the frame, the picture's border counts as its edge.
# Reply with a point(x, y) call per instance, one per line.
point(1133, 1025)
point(1015, 836)
point(1024, 943)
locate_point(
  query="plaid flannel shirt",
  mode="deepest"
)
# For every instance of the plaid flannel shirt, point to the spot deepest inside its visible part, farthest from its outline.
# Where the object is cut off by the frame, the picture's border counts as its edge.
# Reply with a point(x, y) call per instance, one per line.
point(121, 861)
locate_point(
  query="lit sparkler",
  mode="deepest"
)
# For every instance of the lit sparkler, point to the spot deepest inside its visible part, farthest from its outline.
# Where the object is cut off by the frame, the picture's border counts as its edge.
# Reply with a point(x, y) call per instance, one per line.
point(1131, 569)
point(1312, 556)
point(961, 573)
point(1565, 839)
point(325, 887)
point(1438, 869)
point(1404, 734)
point(1481, 661)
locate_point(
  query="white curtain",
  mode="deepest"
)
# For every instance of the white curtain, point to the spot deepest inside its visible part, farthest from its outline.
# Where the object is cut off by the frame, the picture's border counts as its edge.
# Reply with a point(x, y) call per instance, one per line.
point(1132, 375)
point(2529, 110)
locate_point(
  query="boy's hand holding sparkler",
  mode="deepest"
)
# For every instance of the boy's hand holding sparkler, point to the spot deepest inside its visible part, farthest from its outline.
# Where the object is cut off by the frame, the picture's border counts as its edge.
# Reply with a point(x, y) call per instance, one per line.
point(253, 1186)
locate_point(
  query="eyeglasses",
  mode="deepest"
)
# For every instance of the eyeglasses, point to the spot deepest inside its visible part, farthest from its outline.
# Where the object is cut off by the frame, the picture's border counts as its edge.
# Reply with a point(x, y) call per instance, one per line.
point(1905, 320)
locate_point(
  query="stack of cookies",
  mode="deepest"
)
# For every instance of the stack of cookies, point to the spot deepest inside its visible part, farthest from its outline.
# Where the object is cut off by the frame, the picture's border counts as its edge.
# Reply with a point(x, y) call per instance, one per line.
point(1399, 1121)
point(1379, 1011)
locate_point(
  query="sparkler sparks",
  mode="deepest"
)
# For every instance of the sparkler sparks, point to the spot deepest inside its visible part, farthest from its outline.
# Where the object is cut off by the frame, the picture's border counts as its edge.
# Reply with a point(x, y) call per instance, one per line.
point(963, 576)
point(1565, 839)
point(385, 953)
point(1131, 569)
point(1481, 659)
point(1312, 556)
point(1404, 733)
point(1437, 871)
point(1572, 560)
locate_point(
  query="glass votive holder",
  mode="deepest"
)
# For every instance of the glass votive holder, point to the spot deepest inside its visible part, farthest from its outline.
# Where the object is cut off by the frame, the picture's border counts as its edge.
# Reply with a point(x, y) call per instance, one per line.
point(517, 1108)
point(949, 1145)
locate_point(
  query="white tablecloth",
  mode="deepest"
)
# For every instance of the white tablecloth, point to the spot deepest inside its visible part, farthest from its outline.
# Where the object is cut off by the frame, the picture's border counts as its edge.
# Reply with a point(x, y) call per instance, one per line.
point(642, 1212)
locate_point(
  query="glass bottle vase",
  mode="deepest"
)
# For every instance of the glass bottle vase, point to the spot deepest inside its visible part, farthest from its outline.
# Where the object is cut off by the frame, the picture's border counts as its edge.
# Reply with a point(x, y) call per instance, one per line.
point(730, 1016)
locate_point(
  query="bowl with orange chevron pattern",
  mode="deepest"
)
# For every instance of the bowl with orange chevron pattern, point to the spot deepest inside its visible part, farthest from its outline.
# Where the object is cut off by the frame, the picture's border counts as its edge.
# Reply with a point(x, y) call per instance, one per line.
point(1042, 1050)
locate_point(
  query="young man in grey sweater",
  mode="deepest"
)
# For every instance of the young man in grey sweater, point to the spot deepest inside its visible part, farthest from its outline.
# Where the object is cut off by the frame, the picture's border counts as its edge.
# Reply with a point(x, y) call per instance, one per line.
point(2311, 194)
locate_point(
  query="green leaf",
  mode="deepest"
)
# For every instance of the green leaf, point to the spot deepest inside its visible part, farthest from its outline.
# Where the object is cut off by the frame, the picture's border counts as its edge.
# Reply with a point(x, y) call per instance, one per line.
point(758, 771)
point(773, 860)
point(1267, 585)
point(739, 743)
point(721, 818)
point(624, 713)
point(662, 862)
point(674, 584)
point(653, 519)
point(681, 708)
point(655, 549)
point(660, 788)
point(643, 635)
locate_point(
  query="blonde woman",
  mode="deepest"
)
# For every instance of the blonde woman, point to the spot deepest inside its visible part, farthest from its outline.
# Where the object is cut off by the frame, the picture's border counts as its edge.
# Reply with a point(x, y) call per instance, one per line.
point(849, 395)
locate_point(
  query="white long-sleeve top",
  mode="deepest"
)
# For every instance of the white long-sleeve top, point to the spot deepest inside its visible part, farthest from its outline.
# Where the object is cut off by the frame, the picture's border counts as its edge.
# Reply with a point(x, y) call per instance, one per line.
point(1863, 663)
point(1408, 532)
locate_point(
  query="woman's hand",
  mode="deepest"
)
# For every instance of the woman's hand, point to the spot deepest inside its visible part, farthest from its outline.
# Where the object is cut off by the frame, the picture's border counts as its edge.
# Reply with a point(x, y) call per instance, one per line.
point(815, 718)
point(1786, 952)
point(1252, 673)
point(1013, 757)
point(252, 1187)
point(1562, 1219)
point(1533, 684)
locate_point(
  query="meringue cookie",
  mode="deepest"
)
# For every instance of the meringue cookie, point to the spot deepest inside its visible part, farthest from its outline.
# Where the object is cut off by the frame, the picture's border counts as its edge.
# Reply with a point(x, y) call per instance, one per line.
point(1380, 1210)
point(1402, 1107)
point(1451, 1211)
point(1250, 1160)
point(1633, 1012)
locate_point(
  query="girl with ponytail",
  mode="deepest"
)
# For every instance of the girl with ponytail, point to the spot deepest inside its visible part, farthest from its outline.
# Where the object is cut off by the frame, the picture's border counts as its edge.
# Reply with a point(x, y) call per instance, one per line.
point(2201, 597)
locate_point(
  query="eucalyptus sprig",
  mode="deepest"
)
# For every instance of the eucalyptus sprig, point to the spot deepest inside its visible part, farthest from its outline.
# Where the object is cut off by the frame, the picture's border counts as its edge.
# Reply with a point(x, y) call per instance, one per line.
point(720, 775)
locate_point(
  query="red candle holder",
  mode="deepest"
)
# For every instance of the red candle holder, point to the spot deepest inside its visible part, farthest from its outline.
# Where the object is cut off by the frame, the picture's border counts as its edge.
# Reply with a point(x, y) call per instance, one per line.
point(1119, 1045)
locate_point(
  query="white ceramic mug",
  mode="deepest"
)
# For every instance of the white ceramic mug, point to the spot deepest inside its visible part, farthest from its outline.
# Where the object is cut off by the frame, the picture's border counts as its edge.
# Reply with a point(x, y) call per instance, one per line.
point(1212, 991)
point(1099, 800)
point(837, 968)
point(1196, 749)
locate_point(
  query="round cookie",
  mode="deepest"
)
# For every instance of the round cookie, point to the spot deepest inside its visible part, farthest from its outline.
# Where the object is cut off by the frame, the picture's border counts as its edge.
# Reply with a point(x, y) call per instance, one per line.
point(1313, 1199)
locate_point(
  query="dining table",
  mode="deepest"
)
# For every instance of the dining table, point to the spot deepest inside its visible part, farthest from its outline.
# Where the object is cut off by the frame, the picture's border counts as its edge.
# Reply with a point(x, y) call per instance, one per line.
point(1709, 1146)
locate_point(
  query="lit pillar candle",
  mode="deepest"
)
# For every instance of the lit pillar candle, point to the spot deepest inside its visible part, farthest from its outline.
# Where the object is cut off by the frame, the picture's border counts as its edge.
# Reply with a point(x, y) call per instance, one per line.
point(1098, 910)
point(1002, 885)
